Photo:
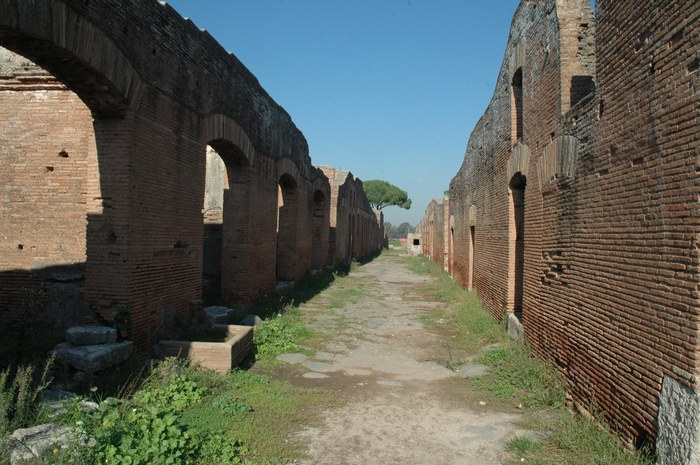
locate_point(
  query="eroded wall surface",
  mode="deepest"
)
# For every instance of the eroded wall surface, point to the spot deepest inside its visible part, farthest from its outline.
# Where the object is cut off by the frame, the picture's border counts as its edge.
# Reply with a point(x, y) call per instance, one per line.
point(576, 205)
point(356, 229)
point(108, 114)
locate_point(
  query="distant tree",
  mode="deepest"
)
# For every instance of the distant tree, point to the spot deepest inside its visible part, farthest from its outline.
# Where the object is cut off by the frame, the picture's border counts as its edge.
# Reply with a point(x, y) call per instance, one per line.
point(383, 194)
point(390, 230)
point(404, 229)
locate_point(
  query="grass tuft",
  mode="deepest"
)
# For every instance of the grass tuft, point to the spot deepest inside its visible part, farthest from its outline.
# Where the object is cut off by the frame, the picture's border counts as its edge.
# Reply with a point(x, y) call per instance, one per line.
point(518, 376)
point(523, 445)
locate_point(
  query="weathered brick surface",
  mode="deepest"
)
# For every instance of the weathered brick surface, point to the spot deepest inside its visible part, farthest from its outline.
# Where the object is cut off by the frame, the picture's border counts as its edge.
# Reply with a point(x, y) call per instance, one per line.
point(608, 279)
point(355, 229)
point(148, 93)
point(217, 356)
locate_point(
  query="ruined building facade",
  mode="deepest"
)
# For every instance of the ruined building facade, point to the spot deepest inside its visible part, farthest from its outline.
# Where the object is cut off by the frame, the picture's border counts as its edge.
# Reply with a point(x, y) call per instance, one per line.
point(575, 211)
point(144, 168)
point(352, 229)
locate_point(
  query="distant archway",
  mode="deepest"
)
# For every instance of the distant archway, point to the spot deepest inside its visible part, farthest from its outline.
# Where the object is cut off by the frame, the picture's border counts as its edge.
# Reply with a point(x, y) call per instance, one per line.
point(319, 226)
point(516, 239)
point(287, 214)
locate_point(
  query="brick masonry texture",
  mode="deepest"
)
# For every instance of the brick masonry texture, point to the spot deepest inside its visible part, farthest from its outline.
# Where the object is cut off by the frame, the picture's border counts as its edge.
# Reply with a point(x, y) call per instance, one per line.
point(107, 110)
point(576, 206)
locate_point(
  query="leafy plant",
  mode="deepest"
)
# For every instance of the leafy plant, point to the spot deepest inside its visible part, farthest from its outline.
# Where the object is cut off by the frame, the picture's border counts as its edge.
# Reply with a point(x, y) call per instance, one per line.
point(231, 406)
point(220, 450)
point(174, 397)
point(125, 433)
point(279, 334)
point(148, 429)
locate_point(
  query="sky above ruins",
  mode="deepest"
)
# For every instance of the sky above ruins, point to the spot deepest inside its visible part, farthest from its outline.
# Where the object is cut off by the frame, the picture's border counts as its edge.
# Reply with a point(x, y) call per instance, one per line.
point(388, 89)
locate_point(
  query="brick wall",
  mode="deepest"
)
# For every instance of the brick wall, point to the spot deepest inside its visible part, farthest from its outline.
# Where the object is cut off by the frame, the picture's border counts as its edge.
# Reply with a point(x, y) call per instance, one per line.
point(46, 194)
point(148, 93)
point(356, 229)
point(605, 277)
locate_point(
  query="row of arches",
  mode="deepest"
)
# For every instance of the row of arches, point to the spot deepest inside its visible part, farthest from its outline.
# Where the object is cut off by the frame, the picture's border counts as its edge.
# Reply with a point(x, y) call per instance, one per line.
point(128, 193)
point(437, 235)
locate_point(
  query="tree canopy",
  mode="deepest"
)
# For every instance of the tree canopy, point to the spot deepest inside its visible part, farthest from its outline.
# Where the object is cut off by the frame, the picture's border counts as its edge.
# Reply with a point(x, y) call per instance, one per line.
point(395, 232)
point(383, 194)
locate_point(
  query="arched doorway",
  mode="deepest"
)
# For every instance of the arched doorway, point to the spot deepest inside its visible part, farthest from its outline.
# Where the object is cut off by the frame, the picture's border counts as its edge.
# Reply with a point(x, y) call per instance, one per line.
point(225, 211)
point(319, 229)
point(216, 183)
point(287, 214)
point(516, 236)
point(472, 255)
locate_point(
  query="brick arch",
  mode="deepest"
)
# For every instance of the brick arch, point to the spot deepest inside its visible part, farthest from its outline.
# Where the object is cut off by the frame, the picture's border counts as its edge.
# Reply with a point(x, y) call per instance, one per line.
point(74, 50)
point(286, 166)
point(217, 127)
point(519, 160)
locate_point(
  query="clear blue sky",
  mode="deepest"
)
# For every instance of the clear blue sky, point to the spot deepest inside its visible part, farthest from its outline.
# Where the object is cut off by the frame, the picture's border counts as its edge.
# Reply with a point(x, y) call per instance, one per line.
point(388, 89)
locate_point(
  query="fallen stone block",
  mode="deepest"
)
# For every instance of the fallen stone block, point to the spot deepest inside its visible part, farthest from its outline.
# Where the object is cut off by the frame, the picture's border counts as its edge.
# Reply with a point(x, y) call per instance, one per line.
point(515, 327)
point(30, 443)
point(251, 320)
point(91, 335)
point(217, 315)
point(94, 357)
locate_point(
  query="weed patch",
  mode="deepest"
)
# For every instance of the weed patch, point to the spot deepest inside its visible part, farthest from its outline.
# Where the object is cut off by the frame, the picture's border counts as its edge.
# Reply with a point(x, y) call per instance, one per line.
point(281, 333)
point(516, 375)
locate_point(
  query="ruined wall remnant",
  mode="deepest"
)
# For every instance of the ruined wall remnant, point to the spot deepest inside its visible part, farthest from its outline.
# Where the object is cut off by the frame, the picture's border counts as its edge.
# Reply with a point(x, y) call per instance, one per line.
point(414, 242)
point(143, 168)
point(575, 208)
point(356, 229)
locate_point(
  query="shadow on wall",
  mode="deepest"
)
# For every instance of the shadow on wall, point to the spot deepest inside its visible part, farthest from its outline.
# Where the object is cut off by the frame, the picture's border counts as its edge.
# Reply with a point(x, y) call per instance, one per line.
point(36, 307)
point(308, 288)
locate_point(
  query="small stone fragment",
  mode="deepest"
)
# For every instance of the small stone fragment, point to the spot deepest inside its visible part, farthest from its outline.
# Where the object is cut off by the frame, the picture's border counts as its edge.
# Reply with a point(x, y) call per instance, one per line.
point(29, 443)
point(91, 335)
point(251, 320)
point(95, 357)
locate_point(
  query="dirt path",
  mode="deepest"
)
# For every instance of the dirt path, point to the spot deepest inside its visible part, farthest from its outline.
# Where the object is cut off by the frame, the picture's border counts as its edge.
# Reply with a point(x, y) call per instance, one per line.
point(403, 407)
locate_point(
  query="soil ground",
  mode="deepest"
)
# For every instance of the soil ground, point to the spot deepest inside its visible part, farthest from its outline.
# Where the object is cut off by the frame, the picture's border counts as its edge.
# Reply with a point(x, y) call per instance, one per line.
point(404, 404)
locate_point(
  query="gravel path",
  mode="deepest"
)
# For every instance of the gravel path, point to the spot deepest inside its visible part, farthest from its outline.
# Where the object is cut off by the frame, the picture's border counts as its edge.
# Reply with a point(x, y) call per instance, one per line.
point(404, 407)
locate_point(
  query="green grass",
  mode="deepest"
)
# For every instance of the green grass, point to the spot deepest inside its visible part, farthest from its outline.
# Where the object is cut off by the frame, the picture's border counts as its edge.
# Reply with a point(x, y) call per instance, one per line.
point(341, 296)
point(523, 445)
point(395, 248)
point(20, 389)
point(262, 413)
point(570, 439)
point(433, 318)
point(517, 374)
point(281, 333)
point(421, 265)
point(517, 377)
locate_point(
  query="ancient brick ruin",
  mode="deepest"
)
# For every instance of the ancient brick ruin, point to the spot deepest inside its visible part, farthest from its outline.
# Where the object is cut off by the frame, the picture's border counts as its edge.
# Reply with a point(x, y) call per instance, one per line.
point(576, 208)
point(143, 168)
